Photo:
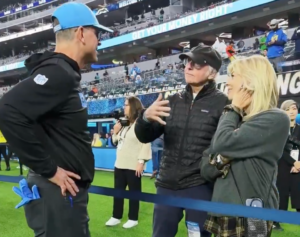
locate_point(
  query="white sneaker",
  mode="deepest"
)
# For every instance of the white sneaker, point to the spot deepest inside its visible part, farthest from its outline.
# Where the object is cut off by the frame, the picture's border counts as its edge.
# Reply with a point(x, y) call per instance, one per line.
point(130, 224)
point(112, 222)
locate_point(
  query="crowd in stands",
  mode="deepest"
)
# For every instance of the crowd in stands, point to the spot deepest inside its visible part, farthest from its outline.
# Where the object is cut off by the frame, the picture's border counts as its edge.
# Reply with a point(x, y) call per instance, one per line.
point(134, 78)
point(15, 5)
point(32, 11)
point(131, 77)
point(163, 71)
point(22, 56)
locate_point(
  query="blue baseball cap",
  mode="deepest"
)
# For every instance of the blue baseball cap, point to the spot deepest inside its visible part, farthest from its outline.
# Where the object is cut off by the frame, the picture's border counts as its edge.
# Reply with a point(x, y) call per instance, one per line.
point(74, 14)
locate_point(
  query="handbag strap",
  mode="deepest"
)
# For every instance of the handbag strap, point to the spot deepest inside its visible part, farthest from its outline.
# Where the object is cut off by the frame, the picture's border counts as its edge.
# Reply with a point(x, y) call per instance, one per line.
point(238, 187)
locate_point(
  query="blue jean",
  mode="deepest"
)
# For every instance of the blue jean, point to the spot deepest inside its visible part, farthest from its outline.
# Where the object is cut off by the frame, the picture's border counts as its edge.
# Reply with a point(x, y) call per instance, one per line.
point(156, 156)
point(167, 218)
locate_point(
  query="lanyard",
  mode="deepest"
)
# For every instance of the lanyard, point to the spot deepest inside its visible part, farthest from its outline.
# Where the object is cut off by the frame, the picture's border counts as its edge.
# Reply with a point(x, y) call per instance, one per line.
point(292, 129)
point(123, 128)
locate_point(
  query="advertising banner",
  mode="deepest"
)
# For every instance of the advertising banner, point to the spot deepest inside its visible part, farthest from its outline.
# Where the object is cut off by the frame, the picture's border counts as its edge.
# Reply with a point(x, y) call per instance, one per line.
point(288, 86)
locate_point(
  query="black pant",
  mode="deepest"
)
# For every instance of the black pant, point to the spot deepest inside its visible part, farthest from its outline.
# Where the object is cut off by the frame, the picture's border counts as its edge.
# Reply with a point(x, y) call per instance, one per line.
point(21, 167)
point(54, 215)
point(124, 178)
point(288, 185)
point(10, 152)
point(5, 156)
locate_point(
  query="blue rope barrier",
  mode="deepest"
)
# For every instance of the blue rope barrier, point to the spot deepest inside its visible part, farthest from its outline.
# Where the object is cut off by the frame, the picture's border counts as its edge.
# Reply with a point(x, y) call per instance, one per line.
point(187, 203)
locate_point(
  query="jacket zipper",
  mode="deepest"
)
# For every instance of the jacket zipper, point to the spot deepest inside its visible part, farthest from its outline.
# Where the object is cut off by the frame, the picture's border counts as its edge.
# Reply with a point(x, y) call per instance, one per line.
point(192, 104)
point(185, 132)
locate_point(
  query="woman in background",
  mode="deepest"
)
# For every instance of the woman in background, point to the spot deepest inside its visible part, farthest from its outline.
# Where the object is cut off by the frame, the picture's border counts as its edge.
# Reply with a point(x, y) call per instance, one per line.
point(96, 141)
point(246, 148)
point(103, 139)
point(109, 142)
point(130, 163)
point(288, 179)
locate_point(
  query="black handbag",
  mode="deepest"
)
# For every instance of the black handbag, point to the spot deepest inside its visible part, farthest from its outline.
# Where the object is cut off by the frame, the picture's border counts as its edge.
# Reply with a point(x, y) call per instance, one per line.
point(254, 227)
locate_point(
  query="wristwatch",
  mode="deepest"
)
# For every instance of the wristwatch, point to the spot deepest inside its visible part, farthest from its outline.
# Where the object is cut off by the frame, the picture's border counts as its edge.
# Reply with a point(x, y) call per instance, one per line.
point(141, 161)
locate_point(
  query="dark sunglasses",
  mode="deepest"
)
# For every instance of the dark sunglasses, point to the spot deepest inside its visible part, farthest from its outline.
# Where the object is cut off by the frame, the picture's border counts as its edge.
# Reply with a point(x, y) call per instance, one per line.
point(193, 64)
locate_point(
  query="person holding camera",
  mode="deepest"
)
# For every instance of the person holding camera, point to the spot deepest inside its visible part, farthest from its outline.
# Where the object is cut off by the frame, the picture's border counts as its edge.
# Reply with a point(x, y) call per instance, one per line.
point(130, 163)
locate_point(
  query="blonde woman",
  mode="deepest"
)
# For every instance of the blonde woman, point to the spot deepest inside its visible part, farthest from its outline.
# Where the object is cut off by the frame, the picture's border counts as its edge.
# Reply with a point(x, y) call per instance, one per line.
point(247, 145)
point(130, 163)
point(96, 140)
point(99, 140)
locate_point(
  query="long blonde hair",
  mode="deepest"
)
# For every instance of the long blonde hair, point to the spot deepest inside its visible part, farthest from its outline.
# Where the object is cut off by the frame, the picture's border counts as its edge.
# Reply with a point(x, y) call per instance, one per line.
point(260, 78)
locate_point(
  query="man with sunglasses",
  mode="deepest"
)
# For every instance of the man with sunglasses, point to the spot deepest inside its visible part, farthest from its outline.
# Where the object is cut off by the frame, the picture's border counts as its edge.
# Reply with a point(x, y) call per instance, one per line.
point(188, 121)
point(44, 119)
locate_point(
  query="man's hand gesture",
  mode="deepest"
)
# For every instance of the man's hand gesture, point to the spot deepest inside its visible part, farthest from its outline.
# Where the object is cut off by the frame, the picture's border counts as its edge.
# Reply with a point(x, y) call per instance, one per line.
point(64, 180)
point(160, 108)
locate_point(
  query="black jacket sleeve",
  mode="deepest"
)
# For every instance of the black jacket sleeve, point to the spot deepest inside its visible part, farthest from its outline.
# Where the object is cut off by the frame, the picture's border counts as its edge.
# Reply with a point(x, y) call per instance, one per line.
point(24, 106)
point(287, 157)
point(147, 131)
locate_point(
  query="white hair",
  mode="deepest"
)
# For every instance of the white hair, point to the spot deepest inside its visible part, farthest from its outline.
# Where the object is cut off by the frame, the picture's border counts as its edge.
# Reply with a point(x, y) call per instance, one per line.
point(212, 72)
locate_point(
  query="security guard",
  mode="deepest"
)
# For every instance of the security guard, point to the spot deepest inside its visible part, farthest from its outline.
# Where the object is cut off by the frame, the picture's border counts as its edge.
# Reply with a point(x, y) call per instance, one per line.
point(44, 119)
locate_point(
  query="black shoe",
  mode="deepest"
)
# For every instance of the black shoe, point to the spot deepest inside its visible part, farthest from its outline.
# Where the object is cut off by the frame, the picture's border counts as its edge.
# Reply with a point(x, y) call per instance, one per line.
point(154, 174)
point(276, 226)
point(8, 169)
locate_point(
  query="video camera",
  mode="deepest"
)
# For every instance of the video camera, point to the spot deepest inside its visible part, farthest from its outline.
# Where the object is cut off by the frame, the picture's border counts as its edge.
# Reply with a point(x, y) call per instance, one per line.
point(124, 121)
point(119, 115)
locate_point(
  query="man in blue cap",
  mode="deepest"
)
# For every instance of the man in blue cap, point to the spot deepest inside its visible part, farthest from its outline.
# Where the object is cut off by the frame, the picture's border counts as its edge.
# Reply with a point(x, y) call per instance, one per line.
point(44, 119)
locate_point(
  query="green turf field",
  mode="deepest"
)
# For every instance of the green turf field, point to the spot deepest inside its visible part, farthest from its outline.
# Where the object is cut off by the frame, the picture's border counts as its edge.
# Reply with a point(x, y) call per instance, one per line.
point(13, 224)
